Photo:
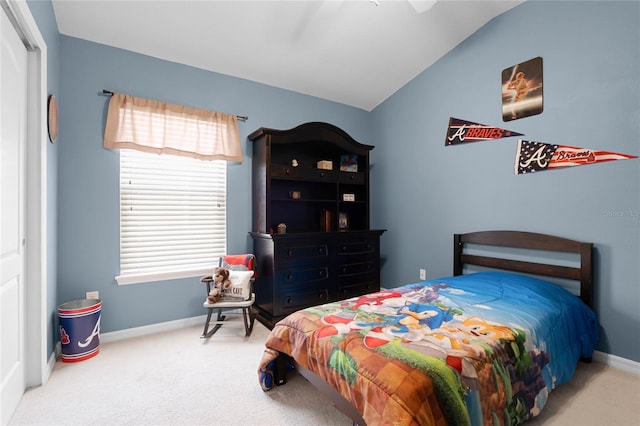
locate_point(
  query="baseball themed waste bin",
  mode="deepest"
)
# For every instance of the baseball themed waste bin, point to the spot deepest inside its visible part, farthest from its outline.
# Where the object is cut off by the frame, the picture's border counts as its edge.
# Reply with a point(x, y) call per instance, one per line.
point(80, 329)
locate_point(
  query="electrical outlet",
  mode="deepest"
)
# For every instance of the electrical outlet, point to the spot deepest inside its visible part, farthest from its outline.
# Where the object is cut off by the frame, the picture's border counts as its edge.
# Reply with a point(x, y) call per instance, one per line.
point(423, 274)
point(93, 295)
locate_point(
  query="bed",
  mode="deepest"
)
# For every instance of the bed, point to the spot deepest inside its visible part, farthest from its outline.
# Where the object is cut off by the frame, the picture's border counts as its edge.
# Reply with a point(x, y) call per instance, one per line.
point(484, 346)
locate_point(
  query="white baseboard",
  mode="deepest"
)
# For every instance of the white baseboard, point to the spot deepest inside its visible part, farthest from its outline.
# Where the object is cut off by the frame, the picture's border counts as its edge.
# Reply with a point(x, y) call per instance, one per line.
point(57, 351)
point(51, 362)
point(617, 362)
point(151, 329)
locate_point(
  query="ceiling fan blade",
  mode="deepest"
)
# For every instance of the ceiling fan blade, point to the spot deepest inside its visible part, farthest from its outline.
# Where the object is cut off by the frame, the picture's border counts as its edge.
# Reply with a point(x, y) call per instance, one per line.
point(422, 6)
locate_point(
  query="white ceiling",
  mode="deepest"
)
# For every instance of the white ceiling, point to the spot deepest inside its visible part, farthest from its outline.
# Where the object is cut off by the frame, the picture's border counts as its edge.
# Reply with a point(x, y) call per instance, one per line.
point(355, 52)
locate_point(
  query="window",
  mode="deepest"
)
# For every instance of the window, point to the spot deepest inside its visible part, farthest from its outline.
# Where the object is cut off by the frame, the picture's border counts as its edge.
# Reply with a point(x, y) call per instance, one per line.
point(172, 216)
point(173, 205)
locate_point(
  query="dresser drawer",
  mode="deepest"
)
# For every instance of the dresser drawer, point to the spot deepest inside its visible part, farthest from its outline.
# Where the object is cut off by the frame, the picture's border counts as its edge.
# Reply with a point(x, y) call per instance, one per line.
point(303, 276)
point(352, 178)
point(303, 173)
point(304, 253)
point(353, 288)
point(356, 268)
point(293, 301)
point(347, 248)
point(282, 171)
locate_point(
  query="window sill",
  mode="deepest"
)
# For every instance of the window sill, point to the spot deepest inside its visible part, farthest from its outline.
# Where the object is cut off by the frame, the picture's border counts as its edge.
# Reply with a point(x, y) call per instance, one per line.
point(161, 276)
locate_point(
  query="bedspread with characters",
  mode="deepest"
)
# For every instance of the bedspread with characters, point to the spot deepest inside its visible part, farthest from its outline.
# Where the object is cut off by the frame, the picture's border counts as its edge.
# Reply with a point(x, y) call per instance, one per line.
point(484, 348)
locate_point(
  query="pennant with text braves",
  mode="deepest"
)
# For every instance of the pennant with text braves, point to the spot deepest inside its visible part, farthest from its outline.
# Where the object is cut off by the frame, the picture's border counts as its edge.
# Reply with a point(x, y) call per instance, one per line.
point(461, 131)
point(536, 156)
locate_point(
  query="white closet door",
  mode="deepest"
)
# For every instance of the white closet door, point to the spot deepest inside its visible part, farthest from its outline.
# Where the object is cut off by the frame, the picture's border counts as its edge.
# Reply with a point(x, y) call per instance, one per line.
point(13, 130)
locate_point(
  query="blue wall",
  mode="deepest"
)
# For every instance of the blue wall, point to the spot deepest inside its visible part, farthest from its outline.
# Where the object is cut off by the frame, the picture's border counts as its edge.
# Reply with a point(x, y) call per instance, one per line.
point(424, 192)
point(88, 199)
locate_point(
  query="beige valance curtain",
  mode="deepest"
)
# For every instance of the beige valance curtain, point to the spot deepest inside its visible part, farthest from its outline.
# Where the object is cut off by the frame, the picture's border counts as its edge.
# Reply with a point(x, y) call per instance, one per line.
point(163, 128)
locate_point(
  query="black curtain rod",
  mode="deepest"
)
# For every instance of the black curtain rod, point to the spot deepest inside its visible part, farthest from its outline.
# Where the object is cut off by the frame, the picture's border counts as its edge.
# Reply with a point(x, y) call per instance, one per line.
point(239, 117)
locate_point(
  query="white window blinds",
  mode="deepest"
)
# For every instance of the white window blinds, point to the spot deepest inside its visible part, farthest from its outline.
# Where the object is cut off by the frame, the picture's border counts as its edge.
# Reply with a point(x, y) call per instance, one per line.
point(172, 216)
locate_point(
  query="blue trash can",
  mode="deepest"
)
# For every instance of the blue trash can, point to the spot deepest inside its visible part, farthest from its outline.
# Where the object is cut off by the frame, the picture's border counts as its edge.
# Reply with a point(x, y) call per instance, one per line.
point(80, 329)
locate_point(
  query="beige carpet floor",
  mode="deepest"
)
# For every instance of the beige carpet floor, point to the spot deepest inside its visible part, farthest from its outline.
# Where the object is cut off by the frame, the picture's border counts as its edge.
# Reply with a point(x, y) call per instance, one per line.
point(176, 378)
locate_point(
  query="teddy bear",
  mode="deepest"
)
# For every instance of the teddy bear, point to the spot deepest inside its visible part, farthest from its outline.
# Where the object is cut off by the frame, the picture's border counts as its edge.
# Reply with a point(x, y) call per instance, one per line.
point(214, 295)
point(220, 283)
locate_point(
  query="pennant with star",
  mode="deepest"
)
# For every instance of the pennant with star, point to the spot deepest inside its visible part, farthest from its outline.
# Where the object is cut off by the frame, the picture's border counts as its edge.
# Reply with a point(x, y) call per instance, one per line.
point(461, 131)
point(536, 156)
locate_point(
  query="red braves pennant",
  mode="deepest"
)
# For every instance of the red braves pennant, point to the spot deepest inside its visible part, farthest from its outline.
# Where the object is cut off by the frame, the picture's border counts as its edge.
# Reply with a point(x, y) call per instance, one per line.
point(535, 156)
point(461, 131)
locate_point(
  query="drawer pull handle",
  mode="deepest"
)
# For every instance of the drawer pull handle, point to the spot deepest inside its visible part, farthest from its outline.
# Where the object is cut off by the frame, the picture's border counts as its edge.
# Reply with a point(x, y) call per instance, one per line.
point(344, 248)
point(352, 177)
point(287, 171)
point(290, 252)
point(290, 277)
point(321, 273)
point(288, 300)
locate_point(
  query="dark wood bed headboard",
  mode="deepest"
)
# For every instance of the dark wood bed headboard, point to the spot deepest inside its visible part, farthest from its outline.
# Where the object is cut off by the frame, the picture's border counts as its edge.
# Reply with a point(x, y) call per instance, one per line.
point(528, 241)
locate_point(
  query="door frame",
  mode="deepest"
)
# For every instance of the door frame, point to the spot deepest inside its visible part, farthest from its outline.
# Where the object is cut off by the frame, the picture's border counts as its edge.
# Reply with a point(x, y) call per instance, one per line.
point(38, 368)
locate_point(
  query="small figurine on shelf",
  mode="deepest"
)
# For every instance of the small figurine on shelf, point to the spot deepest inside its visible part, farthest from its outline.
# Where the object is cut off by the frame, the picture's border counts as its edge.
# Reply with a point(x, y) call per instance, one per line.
point(294, 163)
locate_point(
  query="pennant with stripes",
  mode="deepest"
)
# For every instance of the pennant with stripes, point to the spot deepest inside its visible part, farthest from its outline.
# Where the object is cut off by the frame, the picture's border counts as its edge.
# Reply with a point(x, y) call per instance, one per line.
point(536, 156)
point(461, 131)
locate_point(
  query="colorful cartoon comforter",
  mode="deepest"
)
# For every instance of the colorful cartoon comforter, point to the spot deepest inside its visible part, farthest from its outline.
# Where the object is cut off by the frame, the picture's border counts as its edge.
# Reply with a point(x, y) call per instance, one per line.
point(484, 348)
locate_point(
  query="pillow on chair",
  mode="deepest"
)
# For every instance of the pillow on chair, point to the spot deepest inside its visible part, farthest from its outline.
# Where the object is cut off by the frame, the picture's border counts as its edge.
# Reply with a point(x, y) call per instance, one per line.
point(240, 288)
point(239, 262)
point(234, 266)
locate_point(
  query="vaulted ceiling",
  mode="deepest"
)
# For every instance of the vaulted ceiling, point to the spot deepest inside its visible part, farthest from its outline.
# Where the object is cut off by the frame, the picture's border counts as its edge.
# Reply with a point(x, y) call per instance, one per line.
point(355, 52)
